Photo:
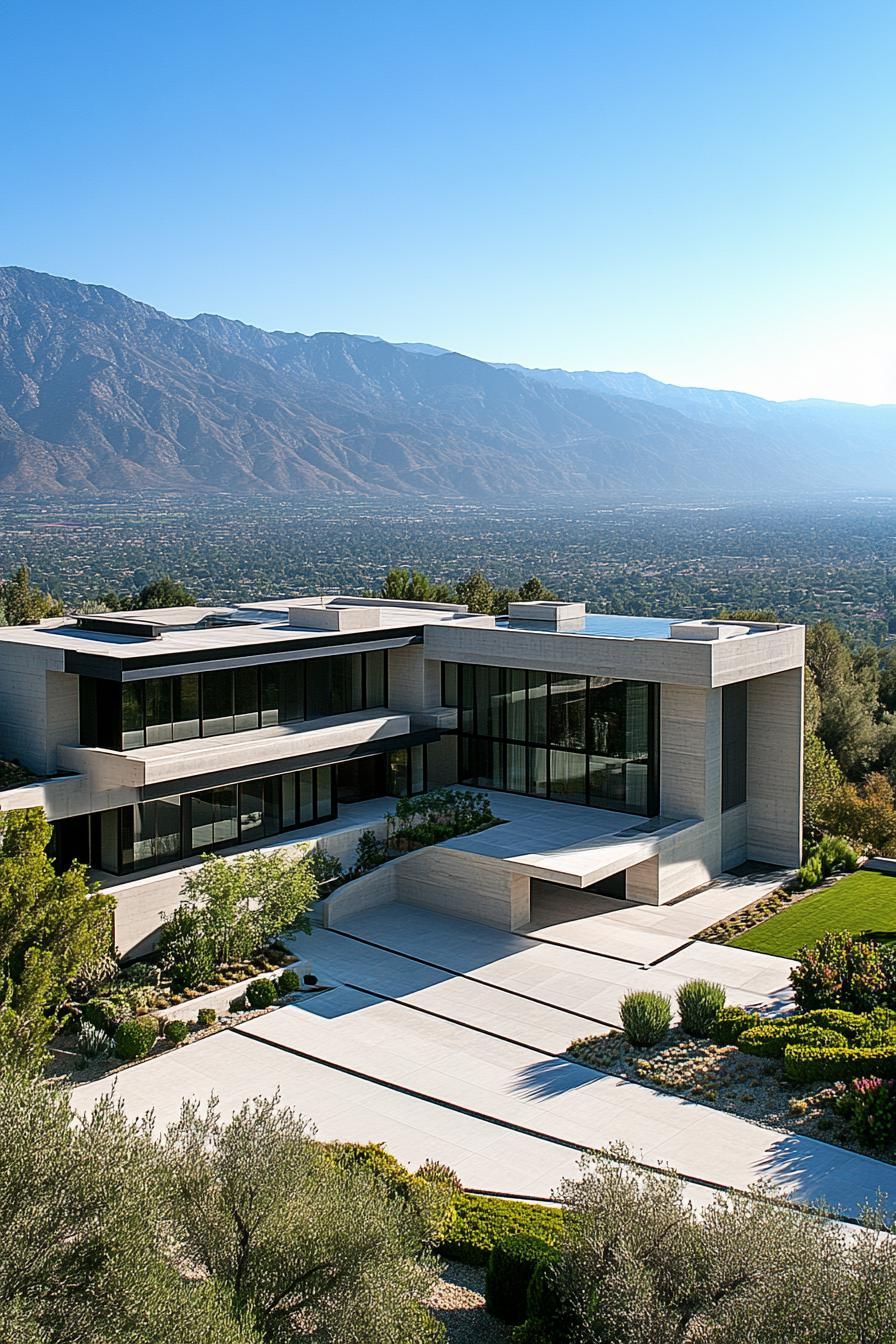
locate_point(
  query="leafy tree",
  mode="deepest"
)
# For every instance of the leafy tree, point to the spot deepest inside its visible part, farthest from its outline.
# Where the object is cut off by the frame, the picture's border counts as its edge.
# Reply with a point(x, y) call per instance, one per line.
point(533, 590)
point(52, 926)
point(229, 908)
point(638, 1265)
point(405, 585)
point(306, 1248)
point(22, 603)
point(83, 1206)
point(164, 592)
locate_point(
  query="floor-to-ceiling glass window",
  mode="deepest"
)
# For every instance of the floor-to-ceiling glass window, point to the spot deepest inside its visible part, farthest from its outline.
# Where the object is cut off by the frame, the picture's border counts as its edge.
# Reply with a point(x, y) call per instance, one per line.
point(576, 739)
point(209, 704)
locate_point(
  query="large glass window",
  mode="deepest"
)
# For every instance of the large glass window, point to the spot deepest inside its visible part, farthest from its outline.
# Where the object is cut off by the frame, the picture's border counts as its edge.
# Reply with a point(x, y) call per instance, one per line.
point(734, 745)
point(208, 704)
point(585, 740)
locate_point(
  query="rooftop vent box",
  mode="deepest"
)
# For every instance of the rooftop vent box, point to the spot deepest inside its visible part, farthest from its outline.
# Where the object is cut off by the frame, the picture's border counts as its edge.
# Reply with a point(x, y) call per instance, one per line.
point(706, 630)
point(547, 613)
point(334, 618)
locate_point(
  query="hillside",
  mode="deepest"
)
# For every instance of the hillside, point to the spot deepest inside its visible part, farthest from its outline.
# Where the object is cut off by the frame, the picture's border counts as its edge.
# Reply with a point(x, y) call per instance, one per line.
point(102, 394)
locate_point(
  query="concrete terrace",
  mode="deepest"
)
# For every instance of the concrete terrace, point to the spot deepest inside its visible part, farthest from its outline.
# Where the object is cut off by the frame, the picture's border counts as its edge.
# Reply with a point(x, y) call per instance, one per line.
point(443, 1038)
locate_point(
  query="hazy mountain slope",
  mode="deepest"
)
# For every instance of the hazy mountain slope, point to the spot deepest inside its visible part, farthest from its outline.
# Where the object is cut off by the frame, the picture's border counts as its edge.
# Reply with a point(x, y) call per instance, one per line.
point(835, 430)
point(100, 393)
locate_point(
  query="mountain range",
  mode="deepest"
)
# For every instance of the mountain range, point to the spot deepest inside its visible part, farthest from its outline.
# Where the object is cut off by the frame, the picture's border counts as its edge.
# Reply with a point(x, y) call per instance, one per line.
point(101, 394)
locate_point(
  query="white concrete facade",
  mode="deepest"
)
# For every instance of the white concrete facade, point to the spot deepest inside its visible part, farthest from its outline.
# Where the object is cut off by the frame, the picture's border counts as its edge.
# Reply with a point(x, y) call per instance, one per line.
point(685, 834)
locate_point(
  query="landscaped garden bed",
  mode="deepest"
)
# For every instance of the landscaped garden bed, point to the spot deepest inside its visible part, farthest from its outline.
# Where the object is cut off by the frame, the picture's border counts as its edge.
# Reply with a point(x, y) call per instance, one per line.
point(828, 1072)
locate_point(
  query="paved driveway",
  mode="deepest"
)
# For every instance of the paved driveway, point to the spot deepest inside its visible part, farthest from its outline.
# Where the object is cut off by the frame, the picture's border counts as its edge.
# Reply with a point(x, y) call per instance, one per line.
point(442, 1039)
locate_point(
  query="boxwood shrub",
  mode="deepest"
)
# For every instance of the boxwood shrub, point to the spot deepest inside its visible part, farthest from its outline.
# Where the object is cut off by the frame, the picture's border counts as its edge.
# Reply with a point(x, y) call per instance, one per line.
point(289, 983)
point(810, 1064)
point(731, 1023)
point(135, 1038)
point(480, 1222)
point(261, 993)
point(206, 1017)
point(510, 1268)
point(176, 1031)
point(770, 1039)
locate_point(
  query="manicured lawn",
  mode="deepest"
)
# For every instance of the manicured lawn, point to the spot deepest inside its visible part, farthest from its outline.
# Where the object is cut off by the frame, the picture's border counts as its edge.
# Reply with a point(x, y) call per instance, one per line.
point(863, 902)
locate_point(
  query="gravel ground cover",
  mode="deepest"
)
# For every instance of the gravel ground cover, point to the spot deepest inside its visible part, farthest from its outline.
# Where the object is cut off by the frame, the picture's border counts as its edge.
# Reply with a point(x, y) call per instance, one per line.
point(458, 1302)
point(724, 1077)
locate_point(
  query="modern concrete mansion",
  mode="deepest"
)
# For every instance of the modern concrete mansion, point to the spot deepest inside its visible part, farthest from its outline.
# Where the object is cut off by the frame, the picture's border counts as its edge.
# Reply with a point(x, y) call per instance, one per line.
point(633, 756)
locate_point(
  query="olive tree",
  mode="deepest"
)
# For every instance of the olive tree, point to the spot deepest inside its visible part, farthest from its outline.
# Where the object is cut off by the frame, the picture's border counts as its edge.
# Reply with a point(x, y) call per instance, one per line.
point(84, 1258)
point(639, 1265)
point(306, 1247)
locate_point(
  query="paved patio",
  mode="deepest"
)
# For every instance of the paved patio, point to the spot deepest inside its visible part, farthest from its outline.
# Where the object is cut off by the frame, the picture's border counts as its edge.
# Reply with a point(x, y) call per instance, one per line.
point(442, 1039)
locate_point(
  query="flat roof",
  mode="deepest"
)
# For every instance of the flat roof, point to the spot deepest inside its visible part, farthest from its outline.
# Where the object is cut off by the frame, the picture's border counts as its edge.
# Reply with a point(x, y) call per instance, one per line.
point(603, 625)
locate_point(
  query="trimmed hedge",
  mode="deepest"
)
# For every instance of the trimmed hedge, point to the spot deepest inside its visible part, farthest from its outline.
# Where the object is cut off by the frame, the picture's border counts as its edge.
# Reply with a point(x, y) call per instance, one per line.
point(176, 1031)
point(481, 1222)
point(731, 1023)
point(810, 1064)
point(289, 982)
point(770, 1040)
point(510, 1268)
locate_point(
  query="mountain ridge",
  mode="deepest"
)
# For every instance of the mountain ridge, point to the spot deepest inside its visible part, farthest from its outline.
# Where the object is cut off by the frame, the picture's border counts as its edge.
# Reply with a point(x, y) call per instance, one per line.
point(100, 393)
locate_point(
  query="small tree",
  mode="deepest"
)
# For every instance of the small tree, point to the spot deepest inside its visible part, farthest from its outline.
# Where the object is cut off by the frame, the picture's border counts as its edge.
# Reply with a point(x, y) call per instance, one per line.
point(83, 1259)
point(22, 602)
point(230, 908)
point(305, 1247)
point(164, 592)
point(52, 927)
point(640, 1266)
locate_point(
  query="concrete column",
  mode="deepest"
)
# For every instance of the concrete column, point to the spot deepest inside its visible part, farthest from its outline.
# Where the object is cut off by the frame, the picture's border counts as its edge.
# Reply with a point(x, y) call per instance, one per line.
point(775, 768)
point(415, 682)
point(690, 752)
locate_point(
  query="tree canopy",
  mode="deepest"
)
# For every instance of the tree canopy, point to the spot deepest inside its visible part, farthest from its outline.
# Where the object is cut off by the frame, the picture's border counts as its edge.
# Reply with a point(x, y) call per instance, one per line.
point(52, 927)
point(22, 602)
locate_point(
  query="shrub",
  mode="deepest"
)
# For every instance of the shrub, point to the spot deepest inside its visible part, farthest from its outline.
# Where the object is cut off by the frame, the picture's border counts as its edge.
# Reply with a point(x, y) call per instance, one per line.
point(645, 1016)
point(238, 1005)
point(288, 982)
point(480, 1223)
point(770, 1039)
point(836, 855)
point(699, 1004)
point(134, 1039)
point(176, 1031)
point(261, 993)
point(811, 1064)
point(730, 1024)
point(870, 1104)
point(432, 1204)
point(206, 1017)
point(546, 1312)
point(838, 1019)
point(438, 1173)
point(811, 873)
point(510, 1268)
point(93, 1042)
point(842, 971)
point(370, 852)
point(324, 866)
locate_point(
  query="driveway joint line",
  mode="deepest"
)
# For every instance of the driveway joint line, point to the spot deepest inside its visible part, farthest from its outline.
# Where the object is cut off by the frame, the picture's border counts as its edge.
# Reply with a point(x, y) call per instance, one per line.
point(474, 979)
point(465, 1026)
point(703, 1181)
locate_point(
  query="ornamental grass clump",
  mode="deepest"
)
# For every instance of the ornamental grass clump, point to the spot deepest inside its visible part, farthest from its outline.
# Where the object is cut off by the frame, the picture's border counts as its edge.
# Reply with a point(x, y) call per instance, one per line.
point(699, 1004)
point(645, 1016)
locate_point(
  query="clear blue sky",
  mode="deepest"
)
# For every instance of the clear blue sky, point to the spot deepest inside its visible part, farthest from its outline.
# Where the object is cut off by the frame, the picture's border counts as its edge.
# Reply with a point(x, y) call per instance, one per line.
point(706, 192)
